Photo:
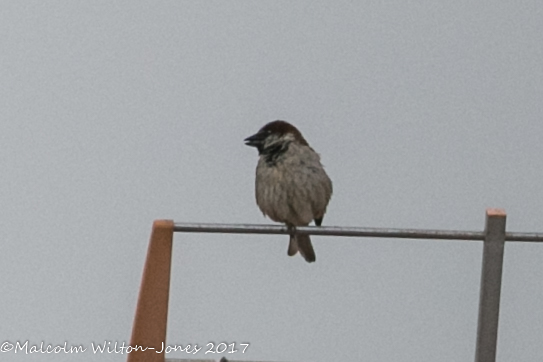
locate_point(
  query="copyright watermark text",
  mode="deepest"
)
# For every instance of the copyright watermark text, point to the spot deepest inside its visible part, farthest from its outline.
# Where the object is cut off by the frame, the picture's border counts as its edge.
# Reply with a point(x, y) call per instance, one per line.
point(26, 347)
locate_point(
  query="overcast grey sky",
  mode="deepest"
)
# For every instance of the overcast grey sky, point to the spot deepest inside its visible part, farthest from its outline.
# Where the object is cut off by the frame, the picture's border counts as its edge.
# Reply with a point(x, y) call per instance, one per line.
point(114, 114)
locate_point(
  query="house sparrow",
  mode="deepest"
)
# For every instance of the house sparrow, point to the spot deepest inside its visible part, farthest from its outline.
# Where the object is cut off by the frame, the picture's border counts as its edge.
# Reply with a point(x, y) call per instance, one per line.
point(291, 184)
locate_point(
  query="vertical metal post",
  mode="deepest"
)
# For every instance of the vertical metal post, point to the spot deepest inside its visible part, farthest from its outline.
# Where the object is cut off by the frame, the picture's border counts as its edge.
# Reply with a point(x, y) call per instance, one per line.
point(149, 330)
point(491, 280)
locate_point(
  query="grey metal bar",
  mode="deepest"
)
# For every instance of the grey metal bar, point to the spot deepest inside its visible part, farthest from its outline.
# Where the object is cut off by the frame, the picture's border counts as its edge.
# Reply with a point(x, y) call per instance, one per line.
point(349, 231)
point(491, 279)
point(188, 360)
point(528, 237)
point(204, 360)
point(328, 231)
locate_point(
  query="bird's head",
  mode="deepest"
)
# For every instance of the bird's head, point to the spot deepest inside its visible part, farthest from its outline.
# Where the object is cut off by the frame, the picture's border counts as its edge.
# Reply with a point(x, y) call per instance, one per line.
point(275, 136)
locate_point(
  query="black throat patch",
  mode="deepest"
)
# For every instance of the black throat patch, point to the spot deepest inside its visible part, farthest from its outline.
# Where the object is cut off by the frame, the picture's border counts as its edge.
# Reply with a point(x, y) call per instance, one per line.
point(273, 152)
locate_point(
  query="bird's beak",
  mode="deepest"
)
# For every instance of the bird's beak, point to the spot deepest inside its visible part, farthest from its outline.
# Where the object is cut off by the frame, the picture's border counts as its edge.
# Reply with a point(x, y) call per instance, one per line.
point(255, 140)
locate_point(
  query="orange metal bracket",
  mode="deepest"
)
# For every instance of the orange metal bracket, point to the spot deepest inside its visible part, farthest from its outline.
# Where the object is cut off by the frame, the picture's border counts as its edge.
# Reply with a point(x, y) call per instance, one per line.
point(149, 329)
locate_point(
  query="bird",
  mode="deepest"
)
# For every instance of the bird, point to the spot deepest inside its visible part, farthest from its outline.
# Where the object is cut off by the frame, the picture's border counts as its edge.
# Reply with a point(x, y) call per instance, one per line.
point(291, 186)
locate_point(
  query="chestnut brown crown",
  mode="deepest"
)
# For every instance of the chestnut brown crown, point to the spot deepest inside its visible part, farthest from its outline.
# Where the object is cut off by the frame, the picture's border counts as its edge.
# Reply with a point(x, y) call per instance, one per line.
point(282, 128)
point(277, 128)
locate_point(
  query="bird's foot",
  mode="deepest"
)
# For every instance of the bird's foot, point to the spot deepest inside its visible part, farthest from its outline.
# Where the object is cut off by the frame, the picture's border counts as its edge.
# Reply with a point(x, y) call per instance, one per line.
point(291, 230)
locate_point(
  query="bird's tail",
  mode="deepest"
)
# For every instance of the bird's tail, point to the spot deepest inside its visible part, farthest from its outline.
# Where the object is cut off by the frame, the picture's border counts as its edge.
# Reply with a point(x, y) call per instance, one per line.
point(301, 243)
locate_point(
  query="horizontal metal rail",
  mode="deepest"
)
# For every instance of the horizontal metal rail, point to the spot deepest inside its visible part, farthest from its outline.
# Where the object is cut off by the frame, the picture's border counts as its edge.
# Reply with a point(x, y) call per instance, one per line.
point(349, 231)
point(204, 360)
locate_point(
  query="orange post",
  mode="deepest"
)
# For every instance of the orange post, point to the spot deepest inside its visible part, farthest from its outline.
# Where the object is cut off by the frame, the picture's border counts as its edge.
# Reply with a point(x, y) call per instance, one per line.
point(149, 329)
